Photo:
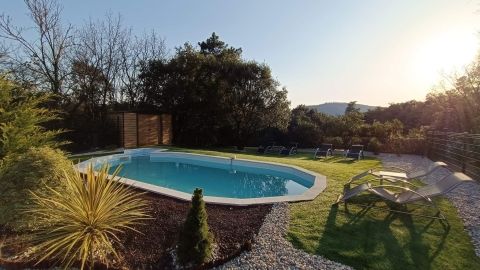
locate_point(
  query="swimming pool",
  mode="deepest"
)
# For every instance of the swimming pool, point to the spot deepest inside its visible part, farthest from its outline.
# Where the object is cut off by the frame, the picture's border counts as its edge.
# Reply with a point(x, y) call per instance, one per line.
point(223, 180)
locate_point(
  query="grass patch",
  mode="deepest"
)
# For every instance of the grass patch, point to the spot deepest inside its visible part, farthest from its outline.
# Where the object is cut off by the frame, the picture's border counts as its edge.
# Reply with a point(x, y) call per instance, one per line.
point(367, 239)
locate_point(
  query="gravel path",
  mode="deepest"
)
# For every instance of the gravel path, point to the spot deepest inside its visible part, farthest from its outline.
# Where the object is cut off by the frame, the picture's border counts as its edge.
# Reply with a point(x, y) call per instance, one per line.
point(272, 251)
point(466, 197)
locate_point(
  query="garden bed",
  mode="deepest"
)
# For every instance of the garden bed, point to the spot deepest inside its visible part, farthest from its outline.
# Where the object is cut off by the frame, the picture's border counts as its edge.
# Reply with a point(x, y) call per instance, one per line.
point(233, 227)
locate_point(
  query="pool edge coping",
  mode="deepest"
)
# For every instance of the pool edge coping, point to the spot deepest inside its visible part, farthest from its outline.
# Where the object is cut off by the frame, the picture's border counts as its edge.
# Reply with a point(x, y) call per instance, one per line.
point(319, 184)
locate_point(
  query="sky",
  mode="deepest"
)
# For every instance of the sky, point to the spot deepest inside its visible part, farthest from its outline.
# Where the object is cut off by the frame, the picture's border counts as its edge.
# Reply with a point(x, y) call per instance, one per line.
point(374, 52)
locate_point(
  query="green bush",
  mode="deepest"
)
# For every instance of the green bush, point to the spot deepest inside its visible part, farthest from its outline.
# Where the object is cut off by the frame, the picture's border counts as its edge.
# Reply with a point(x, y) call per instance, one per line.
point(195, 243)
point(405, 146)
point(374, 145)
point(336, 141)
point(22, 119)
point(21, 173)
point(356, 140)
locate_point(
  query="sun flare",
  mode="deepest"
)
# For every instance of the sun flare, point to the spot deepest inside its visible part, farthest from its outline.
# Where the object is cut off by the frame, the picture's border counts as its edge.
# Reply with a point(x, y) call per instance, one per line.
point(444, 53)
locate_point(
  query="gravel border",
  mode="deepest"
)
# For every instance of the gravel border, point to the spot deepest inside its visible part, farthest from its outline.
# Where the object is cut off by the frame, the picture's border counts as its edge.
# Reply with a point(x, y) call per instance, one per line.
point(466, 197)
point(271, 250)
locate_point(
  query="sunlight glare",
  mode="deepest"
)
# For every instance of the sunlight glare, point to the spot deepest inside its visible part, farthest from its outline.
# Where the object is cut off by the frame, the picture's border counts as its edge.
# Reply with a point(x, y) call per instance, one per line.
point(443, 54)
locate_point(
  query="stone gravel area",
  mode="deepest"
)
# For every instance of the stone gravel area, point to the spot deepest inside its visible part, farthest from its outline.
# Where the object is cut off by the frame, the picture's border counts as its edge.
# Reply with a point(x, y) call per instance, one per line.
point(271, 250)
point(466, 197)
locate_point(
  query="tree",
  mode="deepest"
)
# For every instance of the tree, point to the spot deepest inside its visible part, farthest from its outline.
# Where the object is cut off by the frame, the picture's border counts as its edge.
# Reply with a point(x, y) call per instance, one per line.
point(304, 128)
point(195, 243)
point(44, 57)
point(136, 52)
point(96, 68)
point(351, 108)
point(22, 119)
point(100, 47)
point(352, 121)
point(215, 96)
point(411, 113)
point(255, 101)
point(214, 46)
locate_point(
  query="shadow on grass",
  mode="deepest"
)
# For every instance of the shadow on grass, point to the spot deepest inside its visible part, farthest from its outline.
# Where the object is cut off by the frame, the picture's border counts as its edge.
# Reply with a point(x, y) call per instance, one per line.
point(339, 159)
point(388, 241)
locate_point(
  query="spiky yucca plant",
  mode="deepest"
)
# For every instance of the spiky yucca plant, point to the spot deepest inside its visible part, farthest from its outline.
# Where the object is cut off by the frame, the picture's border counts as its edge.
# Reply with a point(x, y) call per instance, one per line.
point(82, 222)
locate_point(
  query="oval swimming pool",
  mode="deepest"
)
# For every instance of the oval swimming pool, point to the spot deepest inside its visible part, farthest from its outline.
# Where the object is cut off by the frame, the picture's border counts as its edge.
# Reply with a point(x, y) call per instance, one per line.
point(223, 180)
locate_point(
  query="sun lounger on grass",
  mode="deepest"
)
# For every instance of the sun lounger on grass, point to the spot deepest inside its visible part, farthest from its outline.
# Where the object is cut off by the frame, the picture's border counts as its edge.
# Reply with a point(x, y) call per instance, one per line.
point(394, 174)
point(405, 195)
point(355, 152)
point(325, 150)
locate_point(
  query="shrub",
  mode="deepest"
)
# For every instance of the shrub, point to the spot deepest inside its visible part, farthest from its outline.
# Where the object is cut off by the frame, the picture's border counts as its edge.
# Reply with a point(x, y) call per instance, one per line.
point(356, 140)
point(336, 141)
point(32, 170)
point(82, 222)
point(374, 145)
point(405, 146)
point(195, 243)
point(22, 118)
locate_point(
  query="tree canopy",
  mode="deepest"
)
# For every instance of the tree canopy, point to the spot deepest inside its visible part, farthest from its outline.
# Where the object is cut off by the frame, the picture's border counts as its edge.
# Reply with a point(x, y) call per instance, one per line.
point(215, 96)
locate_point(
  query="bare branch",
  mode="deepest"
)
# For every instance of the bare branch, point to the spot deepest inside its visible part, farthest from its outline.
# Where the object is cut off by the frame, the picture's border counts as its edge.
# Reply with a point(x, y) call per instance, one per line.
point(45, 54)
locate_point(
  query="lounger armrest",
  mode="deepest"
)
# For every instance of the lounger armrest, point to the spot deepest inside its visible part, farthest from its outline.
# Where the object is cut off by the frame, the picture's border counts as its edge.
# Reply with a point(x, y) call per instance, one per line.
point(392, 168)
point(396, 180)
point(358, 176)
point(403, 189)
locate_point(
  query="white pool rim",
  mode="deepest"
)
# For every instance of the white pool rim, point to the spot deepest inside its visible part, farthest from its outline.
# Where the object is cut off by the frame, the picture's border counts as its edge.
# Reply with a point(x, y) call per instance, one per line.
point(319, 181)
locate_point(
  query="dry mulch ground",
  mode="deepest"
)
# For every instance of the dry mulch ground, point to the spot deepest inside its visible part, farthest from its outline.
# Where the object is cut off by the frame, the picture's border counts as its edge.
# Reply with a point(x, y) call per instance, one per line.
point(233, 228)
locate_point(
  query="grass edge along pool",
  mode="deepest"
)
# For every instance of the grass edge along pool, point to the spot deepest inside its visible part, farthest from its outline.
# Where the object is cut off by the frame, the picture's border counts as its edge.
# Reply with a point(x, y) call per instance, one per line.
point(318, 182)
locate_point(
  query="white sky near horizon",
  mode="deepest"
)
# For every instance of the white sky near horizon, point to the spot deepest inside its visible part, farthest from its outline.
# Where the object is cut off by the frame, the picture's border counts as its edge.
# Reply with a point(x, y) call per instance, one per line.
point(375, 52)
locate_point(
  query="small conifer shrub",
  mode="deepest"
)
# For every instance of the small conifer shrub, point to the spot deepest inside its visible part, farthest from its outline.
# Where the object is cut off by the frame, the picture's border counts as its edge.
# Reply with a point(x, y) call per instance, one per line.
point(195, 241)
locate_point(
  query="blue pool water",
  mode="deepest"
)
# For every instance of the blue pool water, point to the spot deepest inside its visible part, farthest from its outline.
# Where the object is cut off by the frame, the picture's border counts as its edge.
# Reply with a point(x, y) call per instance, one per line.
point(215, 179)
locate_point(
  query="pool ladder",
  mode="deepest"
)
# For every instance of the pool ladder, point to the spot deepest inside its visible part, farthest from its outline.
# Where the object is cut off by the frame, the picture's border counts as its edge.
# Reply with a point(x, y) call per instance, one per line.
point(231, 164)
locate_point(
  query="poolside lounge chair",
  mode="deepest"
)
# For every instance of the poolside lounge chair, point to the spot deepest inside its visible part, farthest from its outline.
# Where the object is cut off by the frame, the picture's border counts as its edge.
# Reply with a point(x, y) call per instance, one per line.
point(262, 149)
point(274, 149)
point(325, 150)
point(406, 195)
point(355, 152)
point(394, 174)
point(291, 150)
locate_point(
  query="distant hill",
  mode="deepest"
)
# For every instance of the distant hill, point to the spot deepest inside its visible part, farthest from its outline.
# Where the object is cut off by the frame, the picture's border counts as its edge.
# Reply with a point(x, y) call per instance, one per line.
point(338, 108)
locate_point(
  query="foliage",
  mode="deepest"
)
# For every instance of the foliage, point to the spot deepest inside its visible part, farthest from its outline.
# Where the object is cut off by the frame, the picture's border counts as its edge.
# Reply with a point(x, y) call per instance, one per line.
point(29, 171)
point(407, 145)
point(215, 96)
point(311, 128)
point(374, 145)
point(82, 221)
point(195, 243)
point(411, 113)
point(337, 142)
point(22, 117)
point(452, 106)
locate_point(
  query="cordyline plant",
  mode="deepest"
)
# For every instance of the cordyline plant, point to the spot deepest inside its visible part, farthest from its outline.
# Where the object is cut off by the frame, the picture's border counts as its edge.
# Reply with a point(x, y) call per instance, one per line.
point(82, 222)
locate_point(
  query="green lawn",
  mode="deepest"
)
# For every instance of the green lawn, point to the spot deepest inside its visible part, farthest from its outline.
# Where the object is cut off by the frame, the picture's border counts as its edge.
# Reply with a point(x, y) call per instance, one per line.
point(368, 239)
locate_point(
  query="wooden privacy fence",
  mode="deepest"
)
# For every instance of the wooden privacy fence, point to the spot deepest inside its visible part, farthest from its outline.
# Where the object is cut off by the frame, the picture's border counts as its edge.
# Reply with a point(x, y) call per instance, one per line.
point(138, 129)
point(461, 151)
